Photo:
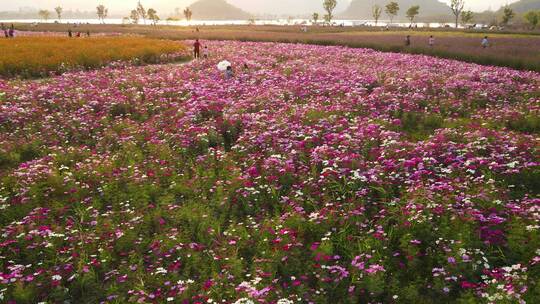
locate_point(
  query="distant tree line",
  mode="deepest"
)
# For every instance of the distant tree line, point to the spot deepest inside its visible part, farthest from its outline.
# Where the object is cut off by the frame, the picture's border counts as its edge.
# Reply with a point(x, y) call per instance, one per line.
point(457, 7)
point(532, 18)
point(141, 13)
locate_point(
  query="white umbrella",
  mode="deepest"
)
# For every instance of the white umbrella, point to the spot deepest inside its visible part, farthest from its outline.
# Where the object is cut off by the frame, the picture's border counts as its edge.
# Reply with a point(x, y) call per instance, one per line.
point(223, 65)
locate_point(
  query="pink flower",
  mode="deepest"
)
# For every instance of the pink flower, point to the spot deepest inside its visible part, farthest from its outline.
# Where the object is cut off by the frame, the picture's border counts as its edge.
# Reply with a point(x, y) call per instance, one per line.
point(375, 268)
point(467, 285)
point(253, 171)
point(208, 284)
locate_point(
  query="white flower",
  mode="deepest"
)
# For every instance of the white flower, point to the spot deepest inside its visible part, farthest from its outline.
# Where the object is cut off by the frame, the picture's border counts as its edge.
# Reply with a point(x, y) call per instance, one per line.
point(161, 270)
point(531, 227)
point(513, 164)
point(56, 277)
point(244, 301)
point(284, 301)
point(313, 216)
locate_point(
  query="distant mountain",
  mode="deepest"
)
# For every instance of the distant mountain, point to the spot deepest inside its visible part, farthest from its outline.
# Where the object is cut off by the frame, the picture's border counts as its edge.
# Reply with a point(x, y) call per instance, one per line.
point(217, 10)
point(362, 9)
point(525, 5)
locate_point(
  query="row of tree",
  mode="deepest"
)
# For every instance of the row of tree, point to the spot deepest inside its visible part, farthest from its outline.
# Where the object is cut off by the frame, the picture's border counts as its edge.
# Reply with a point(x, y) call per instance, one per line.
point(467, 16)
point(188, 13)
point(135, 15)
point(532, 18)
point(102, 13)
point(151, 14)
point(457, 7)
point(391, 9)
point(141, 13)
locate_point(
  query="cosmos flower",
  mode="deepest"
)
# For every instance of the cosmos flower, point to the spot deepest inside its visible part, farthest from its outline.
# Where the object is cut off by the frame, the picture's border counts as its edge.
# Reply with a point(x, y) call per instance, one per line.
point(318, 170)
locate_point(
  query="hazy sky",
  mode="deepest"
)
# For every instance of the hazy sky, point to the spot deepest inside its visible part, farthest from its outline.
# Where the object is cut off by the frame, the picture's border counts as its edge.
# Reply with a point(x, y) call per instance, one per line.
point(169, 5)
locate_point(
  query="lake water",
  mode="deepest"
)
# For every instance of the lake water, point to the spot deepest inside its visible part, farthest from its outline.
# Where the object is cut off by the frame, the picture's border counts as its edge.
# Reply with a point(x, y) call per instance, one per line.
point(234, 22)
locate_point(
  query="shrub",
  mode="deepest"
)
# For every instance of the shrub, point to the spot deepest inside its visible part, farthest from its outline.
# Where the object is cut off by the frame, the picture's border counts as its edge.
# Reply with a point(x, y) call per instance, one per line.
point(527, 123)
point(418, 125)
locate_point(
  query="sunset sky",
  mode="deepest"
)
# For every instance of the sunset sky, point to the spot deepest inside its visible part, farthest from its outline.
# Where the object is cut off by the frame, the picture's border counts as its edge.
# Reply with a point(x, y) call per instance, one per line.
point(255, 6)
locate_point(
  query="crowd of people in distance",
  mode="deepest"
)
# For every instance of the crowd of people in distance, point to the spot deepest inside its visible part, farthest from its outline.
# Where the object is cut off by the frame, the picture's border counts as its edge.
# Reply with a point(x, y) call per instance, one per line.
point(431, 41)
point(78, 34)
point(202, 52)
point(8, 32)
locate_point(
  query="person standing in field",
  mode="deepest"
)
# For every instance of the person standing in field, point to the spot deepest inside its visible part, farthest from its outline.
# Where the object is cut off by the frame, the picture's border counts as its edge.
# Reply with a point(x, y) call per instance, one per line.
point(431, 41)
point(11, 31)
point(197, 49)
point(408, 40)
point(88, 33)
point(485, 42)
point(70, 33)
point(205, 52)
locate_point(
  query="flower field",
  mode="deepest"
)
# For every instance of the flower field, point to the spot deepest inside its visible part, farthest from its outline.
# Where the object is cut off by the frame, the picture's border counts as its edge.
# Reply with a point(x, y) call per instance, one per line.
point(315, 175)
point(41, 54)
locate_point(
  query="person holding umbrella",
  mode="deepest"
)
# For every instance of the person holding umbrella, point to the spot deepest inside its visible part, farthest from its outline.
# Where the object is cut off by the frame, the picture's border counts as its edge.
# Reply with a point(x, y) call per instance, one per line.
point(226, 67)
point(229, 72)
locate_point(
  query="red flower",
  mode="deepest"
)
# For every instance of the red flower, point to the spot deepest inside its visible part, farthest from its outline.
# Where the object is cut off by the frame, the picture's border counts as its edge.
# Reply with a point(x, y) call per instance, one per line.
point(208, 284)
point(467, 285)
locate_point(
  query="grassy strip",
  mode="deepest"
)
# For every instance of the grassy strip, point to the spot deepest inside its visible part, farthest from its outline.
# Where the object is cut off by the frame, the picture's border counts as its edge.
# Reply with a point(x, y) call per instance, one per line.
point(517, 63)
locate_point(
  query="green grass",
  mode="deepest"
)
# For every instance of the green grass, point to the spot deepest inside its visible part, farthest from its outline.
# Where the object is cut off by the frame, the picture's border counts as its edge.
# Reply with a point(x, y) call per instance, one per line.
point(514, 49)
